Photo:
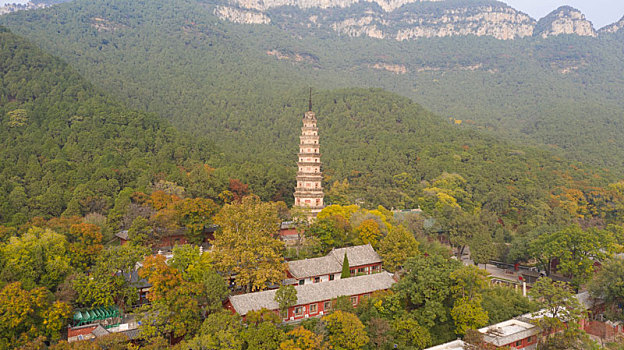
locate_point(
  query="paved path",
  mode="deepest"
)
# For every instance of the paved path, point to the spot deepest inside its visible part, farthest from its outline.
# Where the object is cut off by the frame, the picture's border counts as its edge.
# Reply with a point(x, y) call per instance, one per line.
point(494, 271)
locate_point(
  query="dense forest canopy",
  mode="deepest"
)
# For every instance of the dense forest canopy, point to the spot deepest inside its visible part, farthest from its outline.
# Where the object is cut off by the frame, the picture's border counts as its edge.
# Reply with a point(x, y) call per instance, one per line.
point(208, 76)
point(68, 148)
point(378, 148)
point(78, 166)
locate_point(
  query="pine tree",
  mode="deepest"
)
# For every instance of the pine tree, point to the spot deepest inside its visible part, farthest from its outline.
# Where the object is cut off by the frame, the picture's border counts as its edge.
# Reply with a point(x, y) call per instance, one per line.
point(346, 271)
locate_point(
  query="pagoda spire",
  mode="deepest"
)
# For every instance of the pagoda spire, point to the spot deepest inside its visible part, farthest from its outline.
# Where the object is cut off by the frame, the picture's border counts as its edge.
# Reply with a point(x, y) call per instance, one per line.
point(309, 191)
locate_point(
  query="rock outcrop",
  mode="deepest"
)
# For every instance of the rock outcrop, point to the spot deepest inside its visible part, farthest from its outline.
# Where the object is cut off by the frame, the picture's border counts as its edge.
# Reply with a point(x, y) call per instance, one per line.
point(264, 5)
point(238, 15)
point(613, 28)
point(564, 20)
point(407, 19)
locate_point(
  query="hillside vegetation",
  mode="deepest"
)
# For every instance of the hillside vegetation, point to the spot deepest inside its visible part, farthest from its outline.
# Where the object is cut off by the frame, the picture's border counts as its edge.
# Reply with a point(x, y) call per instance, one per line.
point(179, 60)
point(378, 149)
point(68, 148)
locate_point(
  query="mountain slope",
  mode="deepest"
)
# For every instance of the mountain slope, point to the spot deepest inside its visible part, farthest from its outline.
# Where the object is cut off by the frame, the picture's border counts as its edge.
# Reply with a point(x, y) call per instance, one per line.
point(65, 144)
point(179, 60)
point(378, 148)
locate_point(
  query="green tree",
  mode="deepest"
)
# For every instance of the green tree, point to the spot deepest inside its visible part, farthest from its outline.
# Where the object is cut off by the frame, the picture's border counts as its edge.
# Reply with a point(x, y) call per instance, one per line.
point(482, 248)
point(255, 317)
point(220, 330)
point(140, 231)
point(331, 232)
point(346, 270)
point(343, 303)
point(559, 315)
point(40, 257)
point(468, 282)
point(338, 193)
point(108, 282)
point(409, 334)
point(286, 297)
point(345, 331)
point(575, 248)
point(608, 285)
point(426, 288)
point(397, 247)
point(195, 214)
point(502, 303)
point(468, 313)
point(263, 336)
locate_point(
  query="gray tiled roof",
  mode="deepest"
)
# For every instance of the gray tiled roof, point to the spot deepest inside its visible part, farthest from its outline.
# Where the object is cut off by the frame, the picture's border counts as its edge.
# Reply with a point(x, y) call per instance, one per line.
point(287, 225)
point(100, 331)
point(122, 234)
point(332, 262)
point(132, 333)
point(358, 255)
point(315, 292)
point(314, 267)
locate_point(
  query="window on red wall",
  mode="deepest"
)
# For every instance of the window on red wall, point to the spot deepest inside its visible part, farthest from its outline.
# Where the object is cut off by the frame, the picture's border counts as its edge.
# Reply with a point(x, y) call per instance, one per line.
point(298, 310)
point(313, 308)
point(327, 305)
point(518, 344)
point(354, 300)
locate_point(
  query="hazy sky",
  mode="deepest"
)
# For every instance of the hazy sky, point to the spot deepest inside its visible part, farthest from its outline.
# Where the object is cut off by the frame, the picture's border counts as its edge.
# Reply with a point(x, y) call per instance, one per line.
point(2, 2)
point(600, 12)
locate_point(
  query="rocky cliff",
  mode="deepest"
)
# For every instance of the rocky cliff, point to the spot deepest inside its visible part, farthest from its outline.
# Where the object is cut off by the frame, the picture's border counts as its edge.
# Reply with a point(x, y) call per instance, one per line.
point(238, 15)
point(263, 5)
point(564, 20)
point(410, 19)
point(393, 19)
point(613, 28)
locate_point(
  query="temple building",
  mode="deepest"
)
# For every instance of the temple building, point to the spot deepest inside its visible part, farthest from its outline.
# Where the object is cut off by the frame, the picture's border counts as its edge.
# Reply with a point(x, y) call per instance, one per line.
point(309, 191)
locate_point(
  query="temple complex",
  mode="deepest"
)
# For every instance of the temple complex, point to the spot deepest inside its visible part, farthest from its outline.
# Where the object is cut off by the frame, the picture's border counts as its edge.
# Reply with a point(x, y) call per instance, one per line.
point(309, 191)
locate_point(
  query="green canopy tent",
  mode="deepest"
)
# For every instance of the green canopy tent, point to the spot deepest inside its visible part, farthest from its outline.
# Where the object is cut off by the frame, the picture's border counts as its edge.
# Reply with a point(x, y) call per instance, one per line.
point(94, 315)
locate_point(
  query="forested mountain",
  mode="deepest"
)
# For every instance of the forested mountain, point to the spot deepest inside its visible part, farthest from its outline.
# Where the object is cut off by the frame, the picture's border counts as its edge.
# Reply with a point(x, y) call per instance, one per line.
point(81, 161)
point(68, 148)
point(178, 59)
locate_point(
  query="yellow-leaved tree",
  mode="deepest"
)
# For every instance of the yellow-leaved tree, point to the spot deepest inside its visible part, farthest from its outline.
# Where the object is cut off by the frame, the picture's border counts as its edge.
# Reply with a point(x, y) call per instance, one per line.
point(246, 246)
point(28, 314)
point(397, 247)
point(345, 331)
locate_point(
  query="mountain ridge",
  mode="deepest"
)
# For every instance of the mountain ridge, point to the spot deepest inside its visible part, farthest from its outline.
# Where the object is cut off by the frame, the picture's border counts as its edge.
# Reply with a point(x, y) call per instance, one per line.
point(407, 19)
point(394, 19)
